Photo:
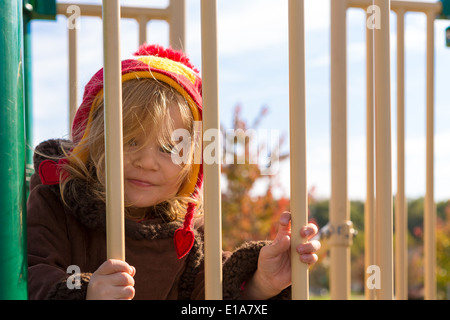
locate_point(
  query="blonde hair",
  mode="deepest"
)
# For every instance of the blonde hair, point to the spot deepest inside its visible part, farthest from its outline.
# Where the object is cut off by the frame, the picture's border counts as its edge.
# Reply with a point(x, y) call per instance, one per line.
point(146, 104)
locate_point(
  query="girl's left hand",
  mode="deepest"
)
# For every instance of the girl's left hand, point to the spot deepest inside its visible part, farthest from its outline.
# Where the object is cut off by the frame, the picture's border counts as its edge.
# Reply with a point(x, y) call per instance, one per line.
point(274, 264)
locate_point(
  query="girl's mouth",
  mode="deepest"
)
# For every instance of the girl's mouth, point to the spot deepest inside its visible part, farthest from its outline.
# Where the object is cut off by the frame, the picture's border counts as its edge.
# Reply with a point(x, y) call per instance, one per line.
point(140, 183)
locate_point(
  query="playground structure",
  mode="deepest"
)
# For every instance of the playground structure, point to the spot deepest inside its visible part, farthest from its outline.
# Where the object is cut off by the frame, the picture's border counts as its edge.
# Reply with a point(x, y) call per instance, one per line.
point(379, 248)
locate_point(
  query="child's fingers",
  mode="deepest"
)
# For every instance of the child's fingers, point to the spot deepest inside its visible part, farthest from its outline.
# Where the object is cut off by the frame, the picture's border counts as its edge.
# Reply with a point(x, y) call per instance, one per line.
point(123, 293)
point(113, 266)
point(282, 241)
point(121, 279)
point(307, 251)
point(277, 247)
point(308, 247)
point(309, 231)
point(309, 258)
point(284, 227)
point(112, 280)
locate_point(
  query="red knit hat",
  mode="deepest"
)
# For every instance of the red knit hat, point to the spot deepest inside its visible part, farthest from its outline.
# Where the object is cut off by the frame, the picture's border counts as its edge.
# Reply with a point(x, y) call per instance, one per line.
point(154, 62)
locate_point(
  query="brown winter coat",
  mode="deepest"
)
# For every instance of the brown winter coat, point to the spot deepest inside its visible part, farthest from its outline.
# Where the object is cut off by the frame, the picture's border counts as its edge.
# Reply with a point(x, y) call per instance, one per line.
point(60, 236)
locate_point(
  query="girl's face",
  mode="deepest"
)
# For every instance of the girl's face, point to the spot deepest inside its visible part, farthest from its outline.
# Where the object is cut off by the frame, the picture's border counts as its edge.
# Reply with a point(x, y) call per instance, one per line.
point(150, 176)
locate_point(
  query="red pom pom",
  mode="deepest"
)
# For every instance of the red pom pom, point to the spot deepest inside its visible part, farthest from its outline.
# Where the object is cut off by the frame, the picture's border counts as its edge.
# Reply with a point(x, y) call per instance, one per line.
point(50, 170)
point(169, 53)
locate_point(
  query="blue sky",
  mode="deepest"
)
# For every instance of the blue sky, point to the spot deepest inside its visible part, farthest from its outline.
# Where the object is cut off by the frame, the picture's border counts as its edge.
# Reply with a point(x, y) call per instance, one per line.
point(253, 72)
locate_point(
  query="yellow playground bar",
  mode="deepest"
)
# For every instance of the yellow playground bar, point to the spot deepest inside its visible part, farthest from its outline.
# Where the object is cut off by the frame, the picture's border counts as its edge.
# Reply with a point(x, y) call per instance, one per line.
point(380, 251)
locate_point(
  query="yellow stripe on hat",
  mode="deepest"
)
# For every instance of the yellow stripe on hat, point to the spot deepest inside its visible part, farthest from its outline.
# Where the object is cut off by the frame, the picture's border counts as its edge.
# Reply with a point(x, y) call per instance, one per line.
point(169, 65)
point(158, 76)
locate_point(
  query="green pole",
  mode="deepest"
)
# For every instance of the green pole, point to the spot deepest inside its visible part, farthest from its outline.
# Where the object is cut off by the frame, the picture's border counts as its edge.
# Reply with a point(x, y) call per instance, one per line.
point(32, 9)
point(13, 261)
point(445, 14)
point(28, 100)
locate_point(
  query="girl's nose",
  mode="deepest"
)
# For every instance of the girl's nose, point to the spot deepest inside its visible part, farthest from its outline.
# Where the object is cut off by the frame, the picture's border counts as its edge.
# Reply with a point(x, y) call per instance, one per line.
point(146, 159)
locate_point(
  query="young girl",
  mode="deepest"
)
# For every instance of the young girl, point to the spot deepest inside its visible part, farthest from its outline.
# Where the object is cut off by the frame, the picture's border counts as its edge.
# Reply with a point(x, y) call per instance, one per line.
point(163, 227)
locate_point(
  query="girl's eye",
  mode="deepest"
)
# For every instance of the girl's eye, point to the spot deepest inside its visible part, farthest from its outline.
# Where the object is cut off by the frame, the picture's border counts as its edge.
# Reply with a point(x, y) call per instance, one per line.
point(167, 149)
point(132, 143)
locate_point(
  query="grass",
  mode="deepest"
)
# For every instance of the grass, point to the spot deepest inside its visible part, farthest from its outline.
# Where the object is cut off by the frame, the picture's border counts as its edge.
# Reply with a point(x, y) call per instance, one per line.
point(353, 296)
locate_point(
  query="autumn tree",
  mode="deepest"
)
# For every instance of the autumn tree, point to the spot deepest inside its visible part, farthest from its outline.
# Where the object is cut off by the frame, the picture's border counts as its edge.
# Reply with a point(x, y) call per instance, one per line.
point(249, 214)
point(443, 254)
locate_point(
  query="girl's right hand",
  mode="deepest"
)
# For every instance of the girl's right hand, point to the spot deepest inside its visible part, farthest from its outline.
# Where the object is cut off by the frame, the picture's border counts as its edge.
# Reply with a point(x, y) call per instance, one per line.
point(113, 280)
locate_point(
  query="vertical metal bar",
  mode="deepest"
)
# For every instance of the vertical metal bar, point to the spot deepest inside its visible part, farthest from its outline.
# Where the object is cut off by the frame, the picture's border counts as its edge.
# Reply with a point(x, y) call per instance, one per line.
point(401, 244)
point(339, 210)
point(178, 24)
point(297, 117)
point(142, 20)
point(28, 97)
point(383, 152)
point(73, 74)
point(369, 208)
point(113, 131)
point(430, 210)
point(211, 121)
point(28, 89)
point(13, 252)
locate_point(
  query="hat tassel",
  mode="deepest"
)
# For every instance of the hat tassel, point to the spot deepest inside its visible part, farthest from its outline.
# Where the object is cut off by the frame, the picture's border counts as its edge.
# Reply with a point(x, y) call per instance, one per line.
point(184, 237)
